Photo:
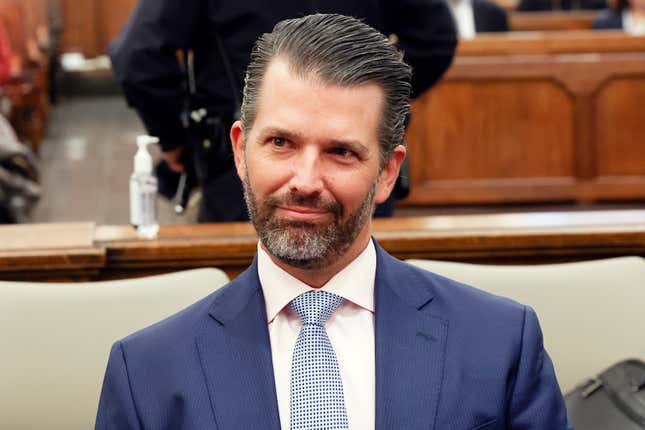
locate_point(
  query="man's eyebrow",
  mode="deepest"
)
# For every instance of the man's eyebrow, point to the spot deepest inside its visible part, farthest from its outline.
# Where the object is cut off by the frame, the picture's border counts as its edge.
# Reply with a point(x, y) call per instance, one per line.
point(279, 132)
point(354, 145)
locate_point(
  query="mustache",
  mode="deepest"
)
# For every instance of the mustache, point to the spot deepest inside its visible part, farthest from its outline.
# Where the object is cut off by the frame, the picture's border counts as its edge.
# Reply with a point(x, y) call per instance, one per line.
point(311, 201)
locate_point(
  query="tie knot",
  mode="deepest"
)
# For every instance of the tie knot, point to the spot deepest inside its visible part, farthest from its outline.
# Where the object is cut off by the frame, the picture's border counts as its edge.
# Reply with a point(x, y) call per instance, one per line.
point(315, 307)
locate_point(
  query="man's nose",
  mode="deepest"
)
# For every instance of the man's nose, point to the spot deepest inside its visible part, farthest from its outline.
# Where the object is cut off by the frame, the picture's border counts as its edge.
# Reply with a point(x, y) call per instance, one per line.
point(306, 177)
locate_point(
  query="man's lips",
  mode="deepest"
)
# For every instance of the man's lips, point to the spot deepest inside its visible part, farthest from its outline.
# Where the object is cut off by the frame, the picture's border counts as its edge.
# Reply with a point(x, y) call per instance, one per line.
point(303, 213)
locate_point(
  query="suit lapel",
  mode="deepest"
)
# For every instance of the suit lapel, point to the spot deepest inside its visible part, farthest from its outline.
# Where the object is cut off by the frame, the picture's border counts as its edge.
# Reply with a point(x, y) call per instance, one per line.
point(410, 348)
point(235, 354)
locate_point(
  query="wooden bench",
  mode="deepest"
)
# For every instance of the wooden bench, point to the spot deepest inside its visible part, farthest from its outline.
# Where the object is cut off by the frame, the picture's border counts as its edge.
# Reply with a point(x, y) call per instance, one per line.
point(534, 117)
point(84, 252)
point(551, 21)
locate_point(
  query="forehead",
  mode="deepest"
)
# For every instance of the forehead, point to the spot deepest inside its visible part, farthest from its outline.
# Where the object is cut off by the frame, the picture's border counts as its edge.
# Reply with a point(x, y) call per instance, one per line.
point(312, 107)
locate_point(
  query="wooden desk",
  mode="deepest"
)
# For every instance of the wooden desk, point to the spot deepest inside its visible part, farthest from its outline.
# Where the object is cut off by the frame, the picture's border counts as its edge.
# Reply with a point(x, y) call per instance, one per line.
point(524, 127)
point(530, 238)
point(49, 252)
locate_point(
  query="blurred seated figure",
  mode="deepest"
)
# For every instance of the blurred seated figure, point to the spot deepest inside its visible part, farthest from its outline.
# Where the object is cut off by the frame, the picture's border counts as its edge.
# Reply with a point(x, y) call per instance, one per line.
point(546, 5)
point(478, 16)
point(19, 177)
point(628, 15)
point(9, 61)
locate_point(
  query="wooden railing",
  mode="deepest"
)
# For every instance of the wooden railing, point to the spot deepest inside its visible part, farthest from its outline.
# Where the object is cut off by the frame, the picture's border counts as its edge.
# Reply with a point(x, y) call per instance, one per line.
point(550, 43)
point(71, 252)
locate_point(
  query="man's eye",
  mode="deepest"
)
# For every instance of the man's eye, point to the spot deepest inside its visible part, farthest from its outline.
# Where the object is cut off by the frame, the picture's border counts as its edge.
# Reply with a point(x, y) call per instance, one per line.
point(343, 152)
point(278, 141)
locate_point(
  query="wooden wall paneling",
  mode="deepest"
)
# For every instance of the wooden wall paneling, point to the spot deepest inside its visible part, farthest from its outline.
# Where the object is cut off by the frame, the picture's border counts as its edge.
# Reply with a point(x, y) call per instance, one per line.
point(522, 128)
point(492, 138)
point(113, 16)
point(92, 24)
point(619, 125)
point(81, 27)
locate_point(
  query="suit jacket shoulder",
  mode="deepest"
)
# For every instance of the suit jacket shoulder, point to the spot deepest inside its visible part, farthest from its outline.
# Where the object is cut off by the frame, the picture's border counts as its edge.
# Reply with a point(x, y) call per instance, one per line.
point(172, 374)
point(488, 351)
point(447, 295)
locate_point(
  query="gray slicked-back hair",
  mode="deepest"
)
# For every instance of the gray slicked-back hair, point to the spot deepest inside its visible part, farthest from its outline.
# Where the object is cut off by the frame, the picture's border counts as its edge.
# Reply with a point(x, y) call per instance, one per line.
point(338, 50)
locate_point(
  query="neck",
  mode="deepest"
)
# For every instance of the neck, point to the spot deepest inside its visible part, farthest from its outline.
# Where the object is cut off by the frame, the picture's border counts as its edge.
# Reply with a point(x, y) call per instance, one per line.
point(316, 278)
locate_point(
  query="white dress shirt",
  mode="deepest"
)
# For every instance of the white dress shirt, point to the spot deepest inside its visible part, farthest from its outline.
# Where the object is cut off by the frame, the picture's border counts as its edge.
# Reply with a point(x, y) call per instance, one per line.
point(462, 10)
point(350, 329)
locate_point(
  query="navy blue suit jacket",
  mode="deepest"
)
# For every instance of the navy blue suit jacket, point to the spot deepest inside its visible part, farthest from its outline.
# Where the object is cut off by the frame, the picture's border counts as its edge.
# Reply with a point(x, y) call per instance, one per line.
point(447, 357)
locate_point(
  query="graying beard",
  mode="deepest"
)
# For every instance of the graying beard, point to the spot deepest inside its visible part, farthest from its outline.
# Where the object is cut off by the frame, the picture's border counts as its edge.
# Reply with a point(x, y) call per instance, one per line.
point(319, 248)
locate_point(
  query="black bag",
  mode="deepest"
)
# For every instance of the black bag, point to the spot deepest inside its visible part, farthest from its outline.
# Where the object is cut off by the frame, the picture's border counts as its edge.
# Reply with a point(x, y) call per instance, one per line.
point(614, 400)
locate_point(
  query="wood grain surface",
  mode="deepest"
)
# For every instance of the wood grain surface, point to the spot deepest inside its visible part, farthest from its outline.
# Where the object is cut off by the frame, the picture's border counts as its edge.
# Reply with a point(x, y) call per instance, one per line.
point(496, 238)
point(551, 42)
point(551, 21)
point(531, 128)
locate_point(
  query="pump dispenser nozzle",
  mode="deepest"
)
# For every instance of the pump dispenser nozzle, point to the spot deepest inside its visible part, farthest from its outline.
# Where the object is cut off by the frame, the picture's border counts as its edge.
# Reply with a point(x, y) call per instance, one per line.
point(142, 159)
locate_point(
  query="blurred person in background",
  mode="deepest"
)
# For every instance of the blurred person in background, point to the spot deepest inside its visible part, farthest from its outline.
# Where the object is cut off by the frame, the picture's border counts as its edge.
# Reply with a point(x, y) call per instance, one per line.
point(628, 15)
point(478, 16)
point(19, 178)
point(555, 5)
point(213, 41)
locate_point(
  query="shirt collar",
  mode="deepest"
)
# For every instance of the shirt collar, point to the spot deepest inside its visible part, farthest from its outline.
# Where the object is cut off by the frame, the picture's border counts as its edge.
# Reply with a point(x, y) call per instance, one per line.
point(354, 283)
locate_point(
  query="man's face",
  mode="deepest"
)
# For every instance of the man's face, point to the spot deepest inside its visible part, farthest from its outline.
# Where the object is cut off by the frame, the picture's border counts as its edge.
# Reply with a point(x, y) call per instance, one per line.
point(311, 166)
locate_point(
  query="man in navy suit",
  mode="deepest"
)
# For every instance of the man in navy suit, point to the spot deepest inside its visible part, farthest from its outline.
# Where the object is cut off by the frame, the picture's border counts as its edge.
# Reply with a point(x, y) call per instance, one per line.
point(319, 143)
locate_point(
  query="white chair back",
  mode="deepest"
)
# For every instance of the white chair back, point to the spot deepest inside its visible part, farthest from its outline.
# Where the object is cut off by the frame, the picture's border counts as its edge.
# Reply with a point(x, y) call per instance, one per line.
point(55, 340)
point(592, 313)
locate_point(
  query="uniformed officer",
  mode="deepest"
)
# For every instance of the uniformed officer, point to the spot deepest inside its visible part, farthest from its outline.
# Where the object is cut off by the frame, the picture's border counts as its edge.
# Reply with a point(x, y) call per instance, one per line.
point(219, 36)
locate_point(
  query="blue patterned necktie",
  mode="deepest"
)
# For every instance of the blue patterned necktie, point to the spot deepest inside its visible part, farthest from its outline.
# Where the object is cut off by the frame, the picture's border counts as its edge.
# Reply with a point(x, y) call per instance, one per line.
point(317, 401)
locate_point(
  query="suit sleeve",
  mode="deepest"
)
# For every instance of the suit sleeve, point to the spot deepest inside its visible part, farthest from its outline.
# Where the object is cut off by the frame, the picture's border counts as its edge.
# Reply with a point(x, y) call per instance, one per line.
point(145, 64)
point(536, 400)
point(427, 35)
point(117, 410)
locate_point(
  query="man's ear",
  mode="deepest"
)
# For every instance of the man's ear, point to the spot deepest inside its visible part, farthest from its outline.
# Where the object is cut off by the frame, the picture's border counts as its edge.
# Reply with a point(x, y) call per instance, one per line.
point(390, 172)
point(237, 140)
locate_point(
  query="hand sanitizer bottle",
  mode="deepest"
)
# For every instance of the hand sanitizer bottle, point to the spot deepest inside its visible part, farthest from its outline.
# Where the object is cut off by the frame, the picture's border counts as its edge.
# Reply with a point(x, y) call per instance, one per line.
point(143, 191)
